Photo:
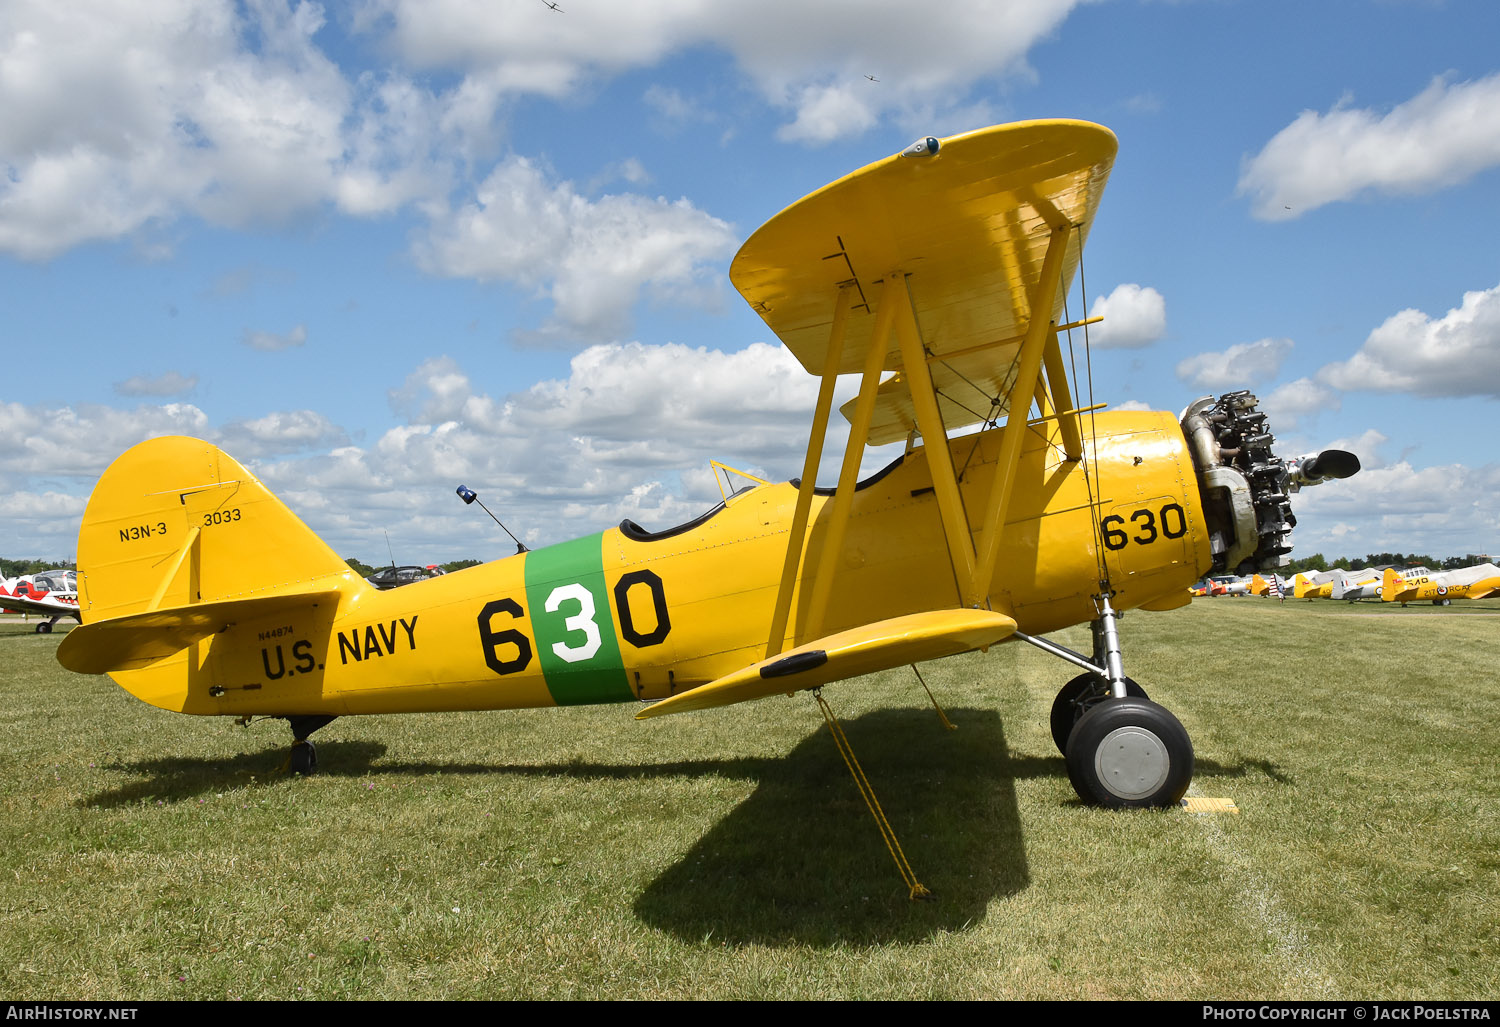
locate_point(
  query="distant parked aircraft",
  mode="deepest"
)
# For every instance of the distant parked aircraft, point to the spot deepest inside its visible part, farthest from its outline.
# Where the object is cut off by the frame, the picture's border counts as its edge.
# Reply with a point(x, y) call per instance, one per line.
point(1440, 587)
point(51, 594)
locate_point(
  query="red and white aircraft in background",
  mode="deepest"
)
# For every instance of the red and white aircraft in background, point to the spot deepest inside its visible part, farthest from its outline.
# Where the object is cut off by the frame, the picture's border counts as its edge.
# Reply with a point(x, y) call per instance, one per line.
point(49, 594)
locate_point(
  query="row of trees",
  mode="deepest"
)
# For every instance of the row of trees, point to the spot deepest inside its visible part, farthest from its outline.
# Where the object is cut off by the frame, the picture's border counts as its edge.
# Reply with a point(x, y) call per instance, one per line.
point(16, 568)
point(1317, 562)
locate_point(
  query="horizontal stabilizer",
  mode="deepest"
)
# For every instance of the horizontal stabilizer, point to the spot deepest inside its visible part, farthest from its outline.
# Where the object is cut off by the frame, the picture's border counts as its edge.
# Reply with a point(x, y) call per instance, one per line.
point(862, 650)
point(140, 639)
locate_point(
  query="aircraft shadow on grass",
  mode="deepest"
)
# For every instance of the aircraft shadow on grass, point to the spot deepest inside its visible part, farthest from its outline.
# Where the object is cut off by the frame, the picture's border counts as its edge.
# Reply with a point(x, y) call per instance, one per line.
point(801, 861)
point(798, 862)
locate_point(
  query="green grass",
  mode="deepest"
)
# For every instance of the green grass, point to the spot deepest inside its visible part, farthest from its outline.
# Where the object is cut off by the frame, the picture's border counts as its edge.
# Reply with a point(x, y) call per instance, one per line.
point(576, 853)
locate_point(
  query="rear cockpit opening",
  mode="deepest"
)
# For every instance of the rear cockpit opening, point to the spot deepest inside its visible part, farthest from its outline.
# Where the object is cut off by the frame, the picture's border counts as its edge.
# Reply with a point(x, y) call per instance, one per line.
point(739, 483)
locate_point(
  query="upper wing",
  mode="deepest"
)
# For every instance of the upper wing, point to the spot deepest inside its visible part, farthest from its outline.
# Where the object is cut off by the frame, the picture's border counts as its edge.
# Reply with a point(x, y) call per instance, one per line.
point(846, 654)
point(966, 230)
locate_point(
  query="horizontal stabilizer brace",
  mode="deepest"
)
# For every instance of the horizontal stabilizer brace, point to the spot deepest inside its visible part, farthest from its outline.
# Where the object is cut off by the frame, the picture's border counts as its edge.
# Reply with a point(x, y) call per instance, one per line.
point(846, 654)
point(140, 639)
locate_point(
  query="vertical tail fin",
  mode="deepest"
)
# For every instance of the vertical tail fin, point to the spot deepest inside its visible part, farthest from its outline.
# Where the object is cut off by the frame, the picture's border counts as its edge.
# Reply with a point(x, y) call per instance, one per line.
point(177, 522)
point(178, 544)
point(1392, 584)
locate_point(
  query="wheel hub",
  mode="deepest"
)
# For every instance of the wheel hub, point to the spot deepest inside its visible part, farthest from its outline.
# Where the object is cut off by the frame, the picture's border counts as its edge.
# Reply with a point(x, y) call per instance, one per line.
point(1132, 762)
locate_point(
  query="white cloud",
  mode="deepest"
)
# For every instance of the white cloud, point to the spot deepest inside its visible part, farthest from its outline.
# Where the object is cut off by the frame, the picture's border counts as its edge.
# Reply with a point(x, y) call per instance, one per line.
point(1442, 136)
point(123, 117)
point(172, 383)
point(628, 433)
point(1442, 510)
point(80, 442)
point(816, 72)
point(283, 432)
point(1366, 446)
point(1237, 367)
point(674, 110)
point(592, 258)
point(43, 524)
point(1133, 317)
point(1287, 404)
point(830, 111)
point(270, 342)
point(1455, 355)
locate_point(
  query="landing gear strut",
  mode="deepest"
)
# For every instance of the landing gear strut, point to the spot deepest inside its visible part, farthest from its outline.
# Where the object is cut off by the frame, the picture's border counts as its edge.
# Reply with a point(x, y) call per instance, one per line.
point(303, 758)
point(1121, 749)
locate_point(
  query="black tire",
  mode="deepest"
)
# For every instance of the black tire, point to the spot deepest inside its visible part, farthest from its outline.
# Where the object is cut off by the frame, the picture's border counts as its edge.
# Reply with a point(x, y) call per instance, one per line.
point(303, 759)
point(44, 628)
point(1129, 753)
point(1074, 700)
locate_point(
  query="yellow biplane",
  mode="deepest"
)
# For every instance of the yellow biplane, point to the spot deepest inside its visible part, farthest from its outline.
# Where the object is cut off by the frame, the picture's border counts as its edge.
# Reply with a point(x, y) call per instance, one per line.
point(1440, 588)
point(939, 276)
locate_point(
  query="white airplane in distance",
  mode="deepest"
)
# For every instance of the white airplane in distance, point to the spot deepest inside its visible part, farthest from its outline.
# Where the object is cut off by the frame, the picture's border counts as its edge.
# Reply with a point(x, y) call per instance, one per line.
point(1353, 585)
point(1232, 585)
point(50, 594)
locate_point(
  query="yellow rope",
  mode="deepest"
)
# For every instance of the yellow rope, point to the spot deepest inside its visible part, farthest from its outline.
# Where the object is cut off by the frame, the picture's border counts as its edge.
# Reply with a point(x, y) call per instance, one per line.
point(941, 715)
point(914, 887)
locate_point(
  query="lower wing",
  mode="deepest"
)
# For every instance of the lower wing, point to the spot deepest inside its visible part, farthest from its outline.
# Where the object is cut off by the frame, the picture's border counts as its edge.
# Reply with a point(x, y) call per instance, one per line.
point(846, 654)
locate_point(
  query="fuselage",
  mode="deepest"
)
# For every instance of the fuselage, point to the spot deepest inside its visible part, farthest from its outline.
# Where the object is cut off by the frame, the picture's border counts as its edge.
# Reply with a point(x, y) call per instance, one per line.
point(626, 614)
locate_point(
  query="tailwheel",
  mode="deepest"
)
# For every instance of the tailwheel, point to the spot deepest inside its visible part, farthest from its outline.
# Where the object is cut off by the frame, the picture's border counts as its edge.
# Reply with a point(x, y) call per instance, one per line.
point(1076, 698)
point(303, 759)
point(1129, 753)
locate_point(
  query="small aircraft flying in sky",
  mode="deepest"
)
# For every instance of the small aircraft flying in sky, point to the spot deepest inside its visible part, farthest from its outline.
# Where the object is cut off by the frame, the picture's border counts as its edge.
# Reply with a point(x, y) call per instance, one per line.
point(52, 595)
point(938, 277)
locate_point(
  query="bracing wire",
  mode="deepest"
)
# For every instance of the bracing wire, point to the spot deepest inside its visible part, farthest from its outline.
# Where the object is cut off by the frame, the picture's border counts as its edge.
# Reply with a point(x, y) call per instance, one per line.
point(1090, 475)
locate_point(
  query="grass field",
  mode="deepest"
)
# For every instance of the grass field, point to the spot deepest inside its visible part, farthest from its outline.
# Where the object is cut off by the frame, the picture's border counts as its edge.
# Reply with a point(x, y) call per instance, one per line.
point(577, 853)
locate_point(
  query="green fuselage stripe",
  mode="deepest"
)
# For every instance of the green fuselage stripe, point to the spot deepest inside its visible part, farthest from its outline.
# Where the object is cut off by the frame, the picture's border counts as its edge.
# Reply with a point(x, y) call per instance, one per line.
point(575, 641)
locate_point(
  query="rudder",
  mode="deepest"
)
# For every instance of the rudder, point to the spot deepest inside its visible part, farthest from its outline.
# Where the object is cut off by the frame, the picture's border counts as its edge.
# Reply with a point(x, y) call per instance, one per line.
point(182, 550)
point(175, 521)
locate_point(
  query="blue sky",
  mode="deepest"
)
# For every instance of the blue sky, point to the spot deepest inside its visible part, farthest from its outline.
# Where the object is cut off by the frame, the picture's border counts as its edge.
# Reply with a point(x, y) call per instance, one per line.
point(374, 250)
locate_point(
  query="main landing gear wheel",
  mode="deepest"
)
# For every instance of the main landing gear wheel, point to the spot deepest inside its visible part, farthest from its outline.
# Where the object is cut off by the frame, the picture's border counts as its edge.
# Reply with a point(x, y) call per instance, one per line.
point(1077, 698)
point(44, 628)
point(1129, 753)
